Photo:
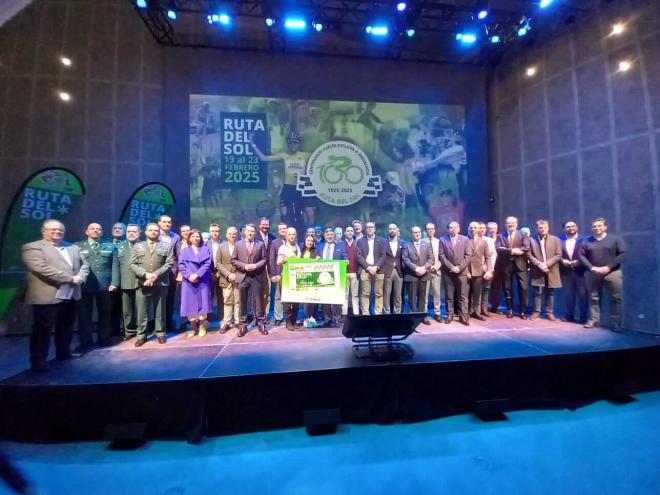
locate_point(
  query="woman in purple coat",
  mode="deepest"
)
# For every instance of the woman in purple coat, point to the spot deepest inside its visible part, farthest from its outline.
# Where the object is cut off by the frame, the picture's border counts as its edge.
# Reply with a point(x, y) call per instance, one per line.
point(195, 266)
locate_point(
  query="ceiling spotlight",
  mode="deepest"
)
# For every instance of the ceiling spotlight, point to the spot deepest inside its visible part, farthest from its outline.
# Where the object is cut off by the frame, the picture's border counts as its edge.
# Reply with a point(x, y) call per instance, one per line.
point(617, 29)
point(64, 96)
point(66, 61)
point(318, 26)
point(482, 14)
point(221, 18)
point(625, 65)
point(468, 38)
point(270, 22)
point(531, 71)
point(171, 14)
point(141, 3)
point(495, 39)
point(377, 30)
point(545, 3)
point(295, 23)
point(410, 32)
point(524, 27)
point(401, 6)
point(224, 19)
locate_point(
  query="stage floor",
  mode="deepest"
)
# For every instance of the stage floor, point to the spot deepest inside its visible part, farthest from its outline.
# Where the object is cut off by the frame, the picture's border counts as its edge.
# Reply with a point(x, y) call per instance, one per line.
point(282, 351)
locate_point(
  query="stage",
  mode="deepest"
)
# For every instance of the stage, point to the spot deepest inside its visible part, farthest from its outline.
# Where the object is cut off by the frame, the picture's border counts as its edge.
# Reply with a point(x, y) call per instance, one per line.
point(221, 384)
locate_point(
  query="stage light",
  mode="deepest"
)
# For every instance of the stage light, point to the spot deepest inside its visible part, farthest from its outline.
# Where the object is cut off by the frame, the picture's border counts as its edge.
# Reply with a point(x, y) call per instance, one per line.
point(295, 23)
point(318, 26)
point(625, 65)
point(617, 29)
point(270, 22)
point(530, 72)
point(141, 3)
point(66, 61)
point(482, 14)
point(545, 3)
point(495, 39)
point(64, 96)
point(522, 31)
point(401, 6)
point(222, 18)
point(171, 14)
point(378, 30)
point(468, 38)
point(410, 32)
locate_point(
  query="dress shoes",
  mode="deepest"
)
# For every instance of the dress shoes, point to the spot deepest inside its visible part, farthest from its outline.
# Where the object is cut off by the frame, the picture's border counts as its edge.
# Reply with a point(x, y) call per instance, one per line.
point(262, 329)
point(590, 324)
point(426, 321)
point(162, 340)
point(551, 317)
point(463, 320)
point(568, 320)
point(278, 323)
point(485, 314)
point(535, 316)
point(509, 314)
point(140, 342)
point(224, 328)
point(242, 330)
point(127, 337)
point(477, 316)
point(447, 321)
point(523, 316)
point(82, 348)
point(71, 355)
point(39, 367)
point(438, 319)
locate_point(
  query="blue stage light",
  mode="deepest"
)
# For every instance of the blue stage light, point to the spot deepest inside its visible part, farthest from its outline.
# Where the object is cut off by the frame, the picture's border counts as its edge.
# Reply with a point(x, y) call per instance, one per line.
point(545, 3)
point(401, 6)
point(482, 14)
point(495, 39)
point(378, 30)
point(221, 18)
point(142, 4)
point(295, 23)
point(522, 31)
point(270, 22)
point(224, 19)
point(318, 26)
point(466, 38)
point(410, 32)
point(171, 14)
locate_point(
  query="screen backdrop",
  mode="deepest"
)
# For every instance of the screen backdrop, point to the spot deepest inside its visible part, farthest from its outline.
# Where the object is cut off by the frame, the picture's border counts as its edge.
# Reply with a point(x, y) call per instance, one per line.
point(325, 162)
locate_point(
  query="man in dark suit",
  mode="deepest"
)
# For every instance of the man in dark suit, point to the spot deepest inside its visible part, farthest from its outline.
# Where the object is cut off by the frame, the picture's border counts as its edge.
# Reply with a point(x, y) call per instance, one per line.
point(167, 235)
point(455, 254)
point(275, 272)
point(249, 258)
point(152, 261)
point(55, 272)
point(545, 257)
point(331, 250)
point(370, 255)
point(572, 273)
point(512, 252)
point(213, 244)
point(393, 271)
point(265, 237)
point(417, 259)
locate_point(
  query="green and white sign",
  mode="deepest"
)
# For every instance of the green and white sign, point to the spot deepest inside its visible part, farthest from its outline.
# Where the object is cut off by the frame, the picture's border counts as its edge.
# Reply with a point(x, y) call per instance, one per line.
point(314, 281)
point(52, 193)
point(147, 204)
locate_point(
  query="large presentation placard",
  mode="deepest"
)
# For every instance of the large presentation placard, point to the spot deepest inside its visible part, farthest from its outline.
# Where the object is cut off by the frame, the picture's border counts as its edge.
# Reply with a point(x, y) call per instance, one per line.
point(314, 281)
point(327, 162)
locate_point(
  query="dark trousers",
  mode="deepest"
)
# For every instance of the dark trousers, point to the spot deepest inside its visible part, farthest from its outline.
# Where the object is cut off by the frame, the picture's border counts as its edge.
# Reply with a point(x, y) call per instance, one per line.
point(456, 291)
point(85, 324)
point(485, 291)
point(331, 312)
point(116, 313)
point(474, 302)
point(129, 311)
point(219, 299)
point(48, 317)
point(169, 302)
point(511, 271)
point(495, 288)
point(251, 290)
point(417, 296)
point(291, 314)
point(147, 298)
point(309, 310)
point(575, 291)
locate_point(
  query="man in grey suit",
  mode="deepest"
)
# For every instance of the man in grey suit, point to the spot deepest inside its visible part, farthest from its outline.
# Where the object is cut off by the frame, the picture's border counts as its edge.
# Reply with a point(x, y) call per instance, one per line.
point(417, 261)
point(128, 282)
point(545, 256)
point(227, 280)
point(455, 254)
point(151, 262)
point(249, 258)
point(480, 269)
point(56, 270)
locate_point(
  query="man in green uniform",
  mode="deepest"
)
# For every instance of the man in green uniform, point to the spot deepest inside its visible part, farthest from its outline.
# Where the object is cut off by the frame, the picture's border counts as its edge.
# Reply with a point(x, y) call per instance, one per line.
point(151, 262)
point(118, 236)
point(103, 278)
point(128, 281)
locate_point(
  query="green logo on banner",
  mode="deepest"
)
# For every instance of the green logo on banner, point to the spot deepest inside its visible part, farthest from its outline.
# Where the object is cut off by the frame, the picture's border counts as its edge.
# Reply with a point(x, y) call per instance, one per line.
point(50, 194)
point(148, 203)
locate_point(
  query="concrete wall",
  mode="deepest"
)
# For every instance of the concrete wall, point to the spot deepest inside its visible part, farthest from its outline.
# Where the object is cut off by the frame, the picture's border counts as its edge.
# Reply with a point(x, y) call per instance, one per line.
point(580, 140)
point(110, 134)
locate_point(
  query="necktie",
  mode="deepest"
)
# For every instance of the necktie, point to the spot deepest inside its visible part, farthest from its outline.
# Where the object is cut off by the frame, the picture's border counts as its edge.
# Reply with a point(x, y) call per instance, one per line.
point(417, 247)
point(95, 247)
point(151, 246)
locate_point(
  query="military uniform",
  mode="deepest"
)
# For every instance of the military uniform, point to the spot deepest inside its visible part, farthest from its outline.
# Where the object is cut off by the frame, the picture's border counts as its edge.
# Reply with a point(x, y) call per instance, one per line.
point(152, 257)
point(129, 284)
point(101, 257)
point(116, 317)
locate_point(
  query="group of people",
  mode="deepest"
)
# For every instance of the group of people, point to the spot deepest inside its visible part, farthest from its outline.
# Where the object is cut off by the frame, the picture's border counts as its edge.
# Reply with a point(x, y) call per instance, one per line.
point(239, 278)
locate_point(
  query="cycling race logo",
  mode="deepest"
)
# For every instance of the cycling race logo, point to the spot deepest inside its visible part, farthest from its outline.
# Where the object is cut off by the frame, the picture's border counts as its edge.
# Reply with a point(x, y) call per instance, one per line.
point(339, 173)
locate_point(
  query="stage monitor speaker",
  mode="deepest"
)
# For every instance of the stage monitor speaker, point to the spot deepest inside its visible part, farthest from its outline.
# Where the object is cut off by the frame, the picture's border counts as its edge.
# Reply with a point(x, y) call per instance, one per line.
point(321, 421)
point(382, 335)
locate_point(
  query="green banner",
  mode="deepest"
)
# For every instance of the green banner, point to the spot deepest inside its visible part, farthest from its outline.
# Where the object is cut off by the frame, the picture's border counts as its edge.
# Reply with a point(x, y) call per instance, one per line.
point(314, 281)
point(148, 203)
point(51, 193)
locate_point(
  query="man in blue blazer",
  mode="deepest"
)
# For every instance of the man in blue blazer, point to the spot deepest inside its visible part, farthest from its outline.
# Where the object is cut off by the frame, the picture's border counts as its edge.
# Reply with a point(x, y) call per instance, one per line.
point(572, 273)
point(331, 250)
